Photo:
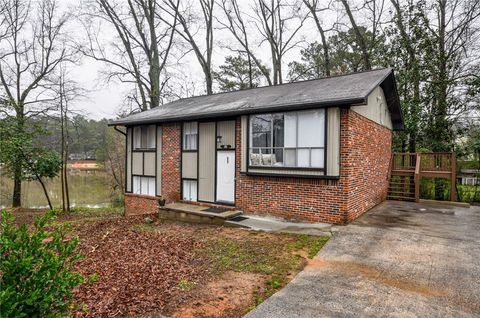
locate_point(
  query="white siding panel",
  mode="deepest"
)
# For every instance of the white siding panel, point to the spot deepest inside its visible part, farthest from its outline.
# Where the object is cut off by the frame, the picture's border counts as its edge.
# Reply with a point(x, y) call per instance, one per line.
point(137, 163)
point(243, 143)
point(159, 161)
point(149, 161)
point(333, 141)
point(129, 161)
point(189, 165)
point(376, 108)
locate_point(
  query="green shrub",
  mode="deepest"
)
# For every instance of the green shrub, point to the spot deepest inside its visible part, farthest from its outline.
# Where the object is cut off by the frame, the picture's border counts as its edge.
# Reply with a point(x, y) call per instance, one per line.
point(36, 277)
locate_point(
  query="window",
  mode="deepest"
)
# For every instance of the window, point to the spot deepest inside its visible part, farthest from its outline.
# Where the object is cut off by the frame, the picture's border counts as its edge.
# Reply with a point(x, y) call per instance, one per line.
point(190, 131)
point(144, 137)
point(189, 190)
point(144, 185)
point(293, 139)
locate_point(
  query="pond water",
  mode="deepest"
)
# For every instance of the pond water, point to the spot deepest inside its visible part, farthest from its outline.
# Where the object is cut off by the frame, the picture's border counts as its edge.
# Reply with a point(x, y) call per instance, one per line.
point(88, 188)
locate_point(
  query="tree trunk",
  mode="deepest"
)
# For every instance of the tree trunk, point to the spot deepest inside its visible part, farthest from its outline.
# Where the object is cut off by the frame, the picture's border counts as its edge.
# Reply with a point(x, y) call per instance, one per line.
point(17, 189)
point(45, 192)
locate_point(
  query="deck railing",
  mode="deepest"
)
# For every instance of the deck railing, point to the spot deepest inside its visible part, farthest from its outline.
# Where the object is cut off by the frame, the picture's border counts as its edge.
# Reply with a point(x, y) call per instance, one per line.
point(429, 164)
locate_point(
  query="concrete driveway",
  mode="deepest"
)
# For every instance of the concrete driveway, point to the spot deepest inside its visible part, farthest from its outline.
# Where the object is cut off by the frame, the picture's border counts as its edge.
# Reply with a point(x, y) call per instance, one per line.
point(400, 259)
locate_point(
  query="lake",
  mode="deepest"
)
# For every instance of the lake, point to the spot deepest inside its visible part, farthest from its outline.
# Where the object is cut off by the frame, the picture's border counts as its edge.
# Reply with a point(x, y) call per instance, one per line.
point(88, 188)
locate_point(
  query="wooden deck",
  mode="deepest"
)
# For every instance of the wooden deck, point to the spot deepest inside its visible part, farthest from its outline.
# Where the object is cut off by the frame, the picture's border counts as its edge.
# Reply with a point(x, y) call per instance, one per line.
point(407, 169)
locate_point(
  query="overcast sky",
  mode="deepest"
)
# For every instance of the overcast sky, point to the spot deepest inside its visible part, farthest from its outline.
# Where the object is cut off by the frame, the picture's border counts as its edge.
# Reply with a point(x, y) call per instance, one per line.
point(104, 100)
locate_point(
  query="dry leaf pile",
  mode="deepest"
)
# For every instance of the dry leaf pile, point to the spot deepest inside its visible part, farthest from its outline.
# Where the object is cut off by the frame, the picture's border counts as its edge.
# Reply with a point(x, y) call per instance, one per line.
point(138, 271)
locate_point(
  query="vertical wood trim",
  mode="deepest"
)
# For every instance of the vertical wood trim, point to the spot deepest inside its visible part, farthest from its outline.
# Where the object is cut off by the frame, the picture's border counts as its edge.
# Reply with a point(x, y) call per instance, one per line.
point(128, 177)
point(243, 143)
point(333, 141)
point(206, 162)
point(159, 162)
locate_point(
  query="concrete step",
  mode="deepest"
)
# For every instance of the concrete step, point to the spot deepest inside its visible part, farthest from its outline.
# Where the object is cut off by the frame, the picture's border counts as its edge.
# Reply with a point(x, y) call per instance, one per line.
point(195, 213)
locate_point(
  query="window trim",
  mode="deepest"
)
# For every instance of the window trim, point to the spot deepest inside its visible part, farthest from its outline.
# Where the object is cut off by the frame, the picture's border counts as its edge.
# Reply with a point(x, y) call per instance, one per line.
point(289, 168)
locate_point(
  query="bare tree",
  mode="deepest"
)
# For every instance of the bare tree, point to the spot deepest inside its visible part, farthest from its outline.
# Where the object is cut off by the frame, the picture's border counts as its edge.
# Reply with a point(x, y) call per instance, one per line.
point(32, 47)
point(360, 38)
point(140, 51)
point(236, 24)
point(273, 26)
point(314, 9)
point(188, 33)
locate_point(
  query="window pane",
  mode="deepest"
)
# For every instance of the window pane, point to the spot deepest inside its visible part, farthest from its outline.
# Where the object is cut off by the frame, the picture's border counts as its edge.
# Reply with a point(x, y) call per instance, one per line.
point(290, 128)
point(151, 136)
point(311, 128)
point(190, 190)
point(151, 186)
point(290, 155)
point(136, 185)
point(278, 136)
point(137, 137)
point(261, 129)
point(317, 158)
point(303, 158)
point(144, 185)
point(189, 140)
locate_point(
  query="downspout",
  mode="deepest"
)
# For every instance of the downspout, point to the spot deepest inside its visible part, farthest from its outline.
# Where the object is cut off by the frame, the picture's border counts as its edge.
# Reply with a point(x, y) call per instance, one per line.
point(120, 131)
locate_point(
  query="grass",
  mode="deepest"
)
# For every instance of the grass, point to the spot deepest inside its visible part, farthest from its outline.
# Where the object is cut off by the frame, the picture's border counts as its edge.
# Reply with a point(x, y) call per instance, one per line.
point(274, 258)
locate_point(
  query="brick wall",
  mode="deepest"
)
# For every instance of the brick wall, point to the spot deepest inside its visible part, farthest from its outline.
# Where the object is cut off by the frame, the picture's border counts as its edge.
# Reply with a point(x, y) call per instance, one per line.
point(366, 148)
point(140, 204)
point(171, 161)
point(365, 155)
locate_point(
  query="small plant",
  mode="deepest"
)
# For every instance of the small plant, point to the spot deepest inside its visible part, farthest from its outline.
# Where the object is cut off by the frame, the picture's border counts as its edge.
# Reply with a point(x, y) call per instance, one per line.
point(36, 276)
point(186, 285)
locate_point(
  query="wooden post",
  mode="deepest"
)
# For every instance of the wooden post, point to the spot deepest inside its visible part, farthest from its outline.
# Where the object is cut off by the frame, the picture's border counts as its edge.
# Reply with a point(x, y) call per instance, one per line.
point(417, 178)
point(453, 177)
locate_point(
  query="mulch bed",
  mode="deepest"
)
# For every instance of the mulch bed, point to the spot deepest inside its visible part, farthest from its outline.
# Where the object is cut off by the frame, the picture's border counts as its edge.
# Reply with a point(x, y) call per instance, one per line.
point(138, 271)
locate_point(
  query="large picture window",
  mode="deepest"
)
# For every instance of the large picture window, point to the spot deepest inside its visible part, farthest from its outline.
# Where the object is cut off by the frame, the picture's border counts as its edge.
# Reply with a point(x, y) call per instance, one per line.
point(291, 139)
point(144, 185)
point(144, 137)
point(190, 132)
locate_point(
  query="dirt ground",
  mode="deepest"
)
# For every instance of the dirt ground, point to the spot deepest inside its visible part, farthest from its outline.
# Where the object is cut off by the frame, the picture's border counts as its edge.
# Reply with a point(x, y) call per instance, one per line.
point(136, 268)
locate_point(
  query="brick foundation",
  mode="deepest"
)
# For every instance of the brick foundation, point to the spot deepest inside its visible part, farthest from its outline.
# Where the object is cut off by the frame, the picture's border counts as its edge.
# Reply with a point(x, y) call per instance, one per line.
point(140, 204)
point(364, 163)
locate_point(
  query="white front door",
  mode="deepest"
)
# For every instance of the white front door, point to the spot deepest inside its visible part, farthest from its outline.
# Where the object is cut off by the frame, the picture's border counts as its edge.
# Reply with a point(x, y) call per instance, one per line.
point(226, 176)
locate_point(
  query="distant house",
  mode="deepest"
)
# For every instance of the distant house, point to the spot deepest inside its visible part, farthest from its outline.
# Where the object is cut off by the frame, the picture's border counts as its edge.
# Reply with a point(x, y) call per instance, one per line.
point(315, 150)
point(469, 177)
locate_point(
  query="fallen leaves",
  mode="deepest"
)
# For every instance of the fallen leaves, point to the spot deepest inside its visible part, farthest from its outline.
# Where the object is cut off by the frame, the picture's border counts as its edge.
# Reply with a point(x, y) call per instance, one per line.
point(139, 271)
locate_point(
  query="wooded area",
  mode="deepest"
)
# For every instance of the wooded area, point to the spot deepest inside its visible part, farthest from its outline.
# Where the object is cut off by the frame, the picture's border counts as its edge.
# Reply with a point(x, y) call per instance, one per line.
point(433, 46)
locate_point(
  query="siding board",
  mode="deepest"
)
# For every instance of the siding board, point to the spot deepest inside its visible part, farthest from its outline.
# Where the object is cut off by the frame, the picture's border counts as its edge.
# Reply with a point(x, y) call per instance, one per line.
point(128, 187)
point(243, 143)
point(189, 165)
point(226, 129)
point(206, 157)
point(159, 161)
point(137, 163)
point(333, 141)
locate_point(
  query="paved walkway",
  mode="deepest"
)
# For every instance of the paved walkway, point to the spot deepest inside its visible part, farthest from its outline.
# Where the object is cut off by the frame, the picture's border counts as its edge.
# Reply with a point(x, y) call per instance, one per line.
point(273, 224)
point(398, 260)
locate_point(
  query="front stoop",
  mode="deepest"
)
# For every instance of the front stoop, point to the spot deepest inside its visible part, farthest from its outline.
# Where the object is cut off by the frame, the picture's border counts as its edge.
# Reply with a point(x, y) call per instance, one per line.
point(194, 213)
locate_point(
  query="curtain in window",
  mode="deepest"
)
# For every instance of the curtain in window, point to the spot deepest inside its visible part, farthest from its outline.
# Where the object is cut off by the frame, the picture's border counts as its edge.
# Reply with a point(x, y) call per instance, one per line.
point(190, 131)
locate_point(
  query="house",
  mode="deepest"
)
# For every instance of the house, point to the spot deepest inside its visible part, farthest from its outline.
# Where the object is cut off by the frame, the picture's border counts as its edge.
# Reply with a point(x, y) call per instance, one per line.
point(315, 150)
point(469, 177)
